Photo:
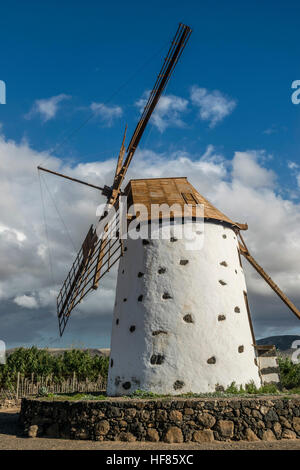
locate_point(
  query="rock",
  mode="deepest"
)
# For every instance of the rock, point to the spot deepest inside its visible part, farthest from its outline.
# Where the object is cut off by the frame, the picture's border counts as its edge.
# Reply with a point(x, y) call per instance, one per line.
point(247, 411)
point(277, 429)
point(264, 409)
point(145, 415)
point(82, 434)
point(137, 427)
point(285, 423)
point(268, 435)
point(256, 414)
point(98, 414)
point(33, 430)
point(152, 435)
point(175, 416)
point(207, 420)
point(250, 435)
point(65, 432)
point(52, 430)
point(206, 435)
point(114, 412)
point(296, 424)
point(161, 415)
point(188, 411)
point(102, 427)
point(271, 415)
point(126, 437)
point(226, 428)
point(191, 423)
point(131, 412)
point(260, 424)
point(173, 435)
point(288, 434)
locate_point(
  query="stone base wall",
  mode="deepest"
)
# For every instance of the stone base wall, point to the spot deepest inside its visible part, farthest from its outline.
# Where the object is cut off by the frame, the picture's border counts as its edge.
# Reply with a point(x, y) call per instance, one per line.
point(169, 420)
point(10, 403)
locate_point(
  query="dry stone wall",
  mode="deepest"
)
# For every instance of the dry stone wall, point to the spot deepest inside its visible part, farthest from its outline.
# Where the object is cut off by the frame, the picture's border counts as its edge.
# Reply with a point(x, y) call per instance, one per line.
point(169, 420)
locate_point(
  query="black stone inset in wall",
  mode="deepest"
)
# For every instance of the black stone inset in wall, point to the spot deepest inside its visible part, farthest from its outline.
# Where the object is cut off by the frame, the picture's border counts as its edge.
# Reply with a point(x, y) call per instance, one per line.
point(157, 359)
point(126, 385)
point(184, 262)
point(178, 385)
point(188, 318)
point(211, 360)
point(166, 295)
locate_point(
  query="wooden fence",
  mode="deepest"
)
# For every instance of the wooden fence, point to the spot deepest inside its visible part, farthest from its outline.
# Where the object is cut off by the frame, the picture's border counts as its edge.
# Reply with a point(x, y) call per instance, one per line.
point(34, 385)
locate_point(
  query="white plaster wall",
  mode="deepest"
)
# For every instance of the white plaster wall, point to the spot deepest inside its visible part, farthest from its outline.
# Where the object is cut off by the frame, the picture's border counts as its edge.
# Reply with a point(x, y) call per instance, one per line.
point(195, 289)
point(268, 362)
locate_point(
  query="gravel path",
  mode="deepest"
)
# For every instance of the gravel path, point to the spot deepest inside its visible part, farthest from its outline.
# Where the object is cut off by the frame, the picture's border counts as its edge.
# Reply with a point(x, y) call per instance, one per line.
point(10, 439)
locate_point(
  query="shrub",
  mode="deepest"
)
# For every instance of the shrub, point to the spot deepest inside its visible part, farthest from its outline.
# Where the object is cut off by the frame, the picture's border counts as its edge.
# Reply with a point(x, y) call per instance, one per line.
point(41, 363)
point(289, 373)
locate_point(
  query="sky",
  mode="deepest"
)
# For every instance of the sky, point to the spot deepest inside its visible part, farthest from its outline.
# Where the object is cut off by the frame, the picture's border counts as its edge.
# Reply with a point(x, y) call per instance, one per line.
point(76, 73)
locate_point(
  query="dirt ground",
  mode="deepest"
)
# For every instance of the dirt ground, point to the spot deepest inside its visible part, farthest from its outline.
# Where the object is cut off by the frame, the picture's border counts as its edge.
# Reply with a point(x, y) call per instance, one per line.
point(10, 439)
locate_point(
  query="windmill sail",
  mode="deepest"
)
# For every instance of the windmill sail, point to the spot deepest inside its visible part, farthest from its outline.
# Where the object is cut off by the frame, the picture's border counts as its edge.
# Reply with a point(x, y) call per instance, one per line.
point(177, 46)
point(245, 252)
point(99, 252)
point(95, 258)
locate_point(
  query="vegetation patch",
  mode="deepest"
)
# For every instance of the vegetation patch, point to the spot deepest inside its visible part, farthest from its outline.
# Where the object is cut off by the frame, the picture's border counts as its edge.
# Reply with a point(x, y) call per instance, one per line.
point(41, 363)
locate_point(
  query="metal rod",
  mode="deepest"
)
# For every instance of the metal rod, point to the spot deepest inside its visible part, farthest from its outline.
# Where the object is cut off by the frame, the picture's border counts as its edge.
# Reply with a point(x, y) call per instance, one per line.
point(71, 179)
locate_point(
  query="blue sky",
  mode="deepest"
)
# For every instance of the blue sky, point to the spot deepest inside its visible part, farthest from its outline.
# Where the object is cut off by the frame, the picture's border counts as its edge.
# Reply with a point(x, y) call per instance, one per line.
point(60, 60)
point(88, 50)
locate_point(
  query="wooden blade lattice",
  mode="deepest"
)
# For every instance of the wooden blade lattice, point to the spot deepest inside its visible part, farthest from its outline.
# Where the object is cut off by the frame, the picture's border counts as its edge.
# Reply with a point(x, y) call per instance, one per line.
point(94, 260)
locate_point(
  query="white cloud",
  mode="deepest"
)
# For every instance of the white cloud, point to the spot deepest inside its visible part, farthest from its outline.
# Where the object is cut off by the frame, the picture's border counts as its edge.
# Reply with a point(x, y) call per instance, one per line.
point(11, 232)
point(47, 108)
point(242, 188)
point(213, 106)
point(168, 111)
point(293, 165)
point(107, 114)
point(248, 171)
point(26, 301)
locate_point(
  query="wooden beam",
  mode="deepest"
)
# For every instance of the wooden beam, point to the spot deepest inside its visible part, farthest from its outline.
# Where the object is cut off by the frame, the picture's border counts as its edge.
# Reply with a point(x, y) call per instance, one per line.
point(244, 251)
point(71, 179)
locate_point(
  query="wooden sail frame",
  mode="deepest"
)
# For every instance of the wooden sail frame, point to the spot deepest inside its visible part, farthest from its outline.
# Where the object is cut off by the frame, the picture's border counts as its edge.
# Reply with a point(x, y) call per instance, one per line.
point(95, 258)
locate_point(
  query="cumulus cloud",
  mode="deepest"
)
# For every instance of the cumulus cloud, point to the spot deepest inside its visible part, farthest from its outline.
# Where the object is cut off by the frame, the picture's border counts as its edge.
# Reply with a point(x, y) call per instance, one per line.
point(213, 106)
point(107, 114)
point(293, 165)
point(47, 108)
point(249, 172)
point(26, 301)
point(28, 283)
point(168, 111)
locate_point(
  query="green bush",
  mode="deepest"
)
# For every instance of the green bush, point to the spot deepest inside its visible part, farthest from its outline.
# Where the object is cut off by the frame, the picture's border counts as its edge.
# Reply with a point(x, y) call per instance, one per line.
point(41, 363)
point(289, 373)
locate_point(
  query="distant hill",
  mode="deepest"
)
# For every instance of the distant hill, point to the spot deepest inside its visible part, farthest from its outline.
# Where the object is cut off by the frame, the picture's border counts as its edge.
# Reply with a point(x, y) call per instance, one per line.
point(283, 343)
point(56, 351)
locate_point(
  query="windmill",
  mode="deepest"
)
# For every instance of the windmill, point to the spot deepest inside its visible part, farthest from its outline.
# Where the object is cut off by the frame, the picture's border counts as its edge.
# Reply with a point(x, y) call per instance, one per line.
point(181, 318)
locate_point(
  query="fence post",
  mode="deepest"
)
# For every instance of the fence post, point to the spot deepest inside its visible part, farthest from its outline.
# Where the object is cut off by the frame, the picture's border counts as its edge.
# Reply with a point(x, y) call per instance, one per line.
point(74, 378)
point(18, 384)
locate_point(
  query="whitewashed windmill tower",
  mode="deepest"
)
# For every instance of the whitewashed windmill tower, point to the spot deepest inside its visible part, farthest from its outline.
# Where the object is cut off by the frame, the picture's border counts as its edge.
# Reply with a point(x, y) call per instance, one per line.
point(181, 320)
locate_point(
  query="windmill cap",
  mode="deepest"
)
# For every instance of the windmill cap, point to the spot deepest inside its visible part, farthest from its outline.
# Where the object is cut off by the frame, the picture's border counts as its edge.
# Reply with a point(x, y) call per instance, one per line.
point(174, 191)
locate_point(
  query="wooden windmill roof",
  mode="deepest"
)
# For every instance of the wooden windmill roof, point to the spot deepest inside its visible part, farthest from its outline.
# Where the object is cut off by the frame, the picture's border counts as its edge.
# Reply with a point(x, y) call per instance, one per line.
point(173, 191)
